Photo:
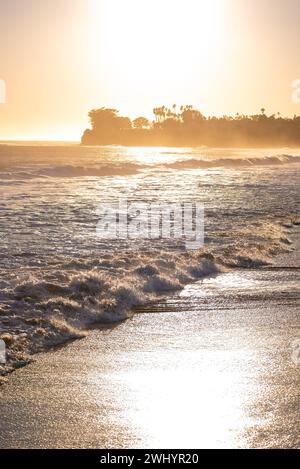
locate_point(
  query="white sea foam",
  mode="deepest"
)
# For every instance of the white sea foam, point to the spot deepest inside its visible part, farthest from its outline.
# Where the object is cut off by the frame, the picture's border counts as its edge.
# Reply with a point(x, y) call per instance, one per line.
point(57, 278)
point(43, 313)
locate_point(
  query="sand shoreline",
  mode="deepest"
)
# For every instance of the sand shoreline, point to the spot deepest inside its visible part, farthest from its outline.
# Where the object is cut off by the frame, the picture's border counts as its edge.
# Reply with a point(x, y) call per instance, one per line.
point(227, 337)
point(22, 358)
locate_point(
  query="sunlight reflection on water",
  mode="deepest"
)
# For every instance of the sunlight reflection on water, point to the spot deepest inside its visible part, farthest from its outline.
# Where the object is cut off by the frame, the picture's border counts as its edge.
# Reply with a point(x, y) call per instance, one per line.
point(200, 399)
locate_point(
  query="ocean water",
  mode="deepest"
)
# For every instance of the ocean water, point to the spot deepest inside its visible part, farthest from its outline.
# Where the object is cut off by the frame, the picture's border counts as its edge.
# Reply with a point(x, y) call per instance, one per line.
point(57, 277)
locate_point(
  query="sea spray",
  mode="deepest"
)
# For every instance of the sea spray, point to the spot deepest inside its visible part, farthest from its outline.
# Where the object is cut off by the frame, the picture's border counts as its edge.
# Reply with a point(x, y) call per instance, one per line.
point(43, 313)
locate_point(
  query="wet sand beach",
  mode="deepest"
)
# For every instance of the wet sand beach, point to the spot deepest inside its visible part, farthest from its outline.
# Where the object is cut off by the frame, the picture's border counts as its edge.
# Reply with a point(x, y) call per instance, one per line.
point(210, 367)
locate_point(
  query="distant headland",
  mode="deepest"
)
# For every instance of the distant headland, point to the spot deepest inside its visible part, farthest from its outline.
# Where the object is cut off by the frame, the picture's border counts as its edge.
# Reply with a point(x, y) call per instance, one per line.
point(186, 126)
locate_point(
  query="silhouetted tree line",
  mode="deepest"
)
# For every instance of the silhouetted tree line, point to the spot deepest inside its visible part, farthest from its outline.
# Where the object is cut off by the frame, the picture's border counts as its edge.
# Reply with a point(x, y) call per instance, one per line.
point(186, 126)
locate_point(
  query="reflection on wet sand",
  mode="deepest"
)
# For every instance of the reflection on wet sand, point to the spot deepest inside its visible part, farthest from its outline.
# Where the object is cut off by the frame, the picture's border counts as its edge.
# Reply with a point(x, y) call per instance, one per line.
point(208, 368)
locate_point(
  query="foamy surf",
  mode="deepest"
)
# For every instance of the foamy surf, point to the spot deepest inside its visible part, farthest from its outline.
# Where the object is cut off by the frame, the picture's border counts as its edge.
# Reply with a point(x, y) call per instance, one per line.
point(245, 162)
point(38, 313)
point(79, 162)
point(57, 278)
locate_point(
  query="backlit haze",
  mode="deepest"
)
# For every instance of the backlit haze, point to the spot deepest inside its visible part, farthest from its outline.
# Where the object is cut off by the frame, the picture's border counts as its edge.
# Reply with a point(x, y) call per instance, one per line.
point(61, 58)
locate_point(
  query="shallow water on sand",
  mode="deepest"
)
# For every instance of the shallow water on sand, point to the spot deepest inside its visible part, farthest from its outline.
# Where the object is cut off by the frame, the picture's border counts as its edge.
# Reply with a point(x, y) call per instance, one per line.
point(211, 367)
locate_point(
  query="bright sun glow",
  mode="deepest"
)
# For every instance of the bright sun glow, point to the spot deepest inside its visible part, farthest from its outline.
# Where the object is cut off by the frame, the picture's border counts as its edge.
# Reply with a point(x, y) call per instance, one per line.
point(157, 47)
point(60, 59)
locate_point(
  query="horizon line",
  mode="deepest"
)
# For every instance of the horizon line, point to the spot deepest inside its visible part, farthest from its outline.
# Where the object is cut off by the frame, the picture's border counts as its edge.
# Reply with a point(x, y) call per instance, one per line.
point(37, 140)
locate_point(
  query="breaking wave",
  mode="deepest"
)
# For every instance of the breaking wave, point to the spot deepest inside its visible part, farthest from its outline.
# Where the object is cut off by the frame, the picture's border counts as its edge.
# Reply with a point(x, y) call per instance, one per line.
point(57, 278)
point(48, 308)
point(123, 167)
point(194, 163)
point(73, 171)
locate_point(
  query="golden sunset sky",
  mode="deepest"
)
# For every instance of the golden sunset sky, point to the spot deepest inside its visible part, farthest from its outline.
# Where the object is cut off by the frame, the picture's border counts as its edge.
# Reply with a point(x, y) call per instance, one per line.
point(61, 58)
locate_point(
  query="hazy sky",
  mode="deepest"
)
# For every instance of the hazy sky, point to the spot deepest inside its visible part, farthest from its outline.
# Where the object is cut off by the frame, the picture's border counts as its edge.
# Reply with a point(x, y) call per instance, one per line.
point(60, 58)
